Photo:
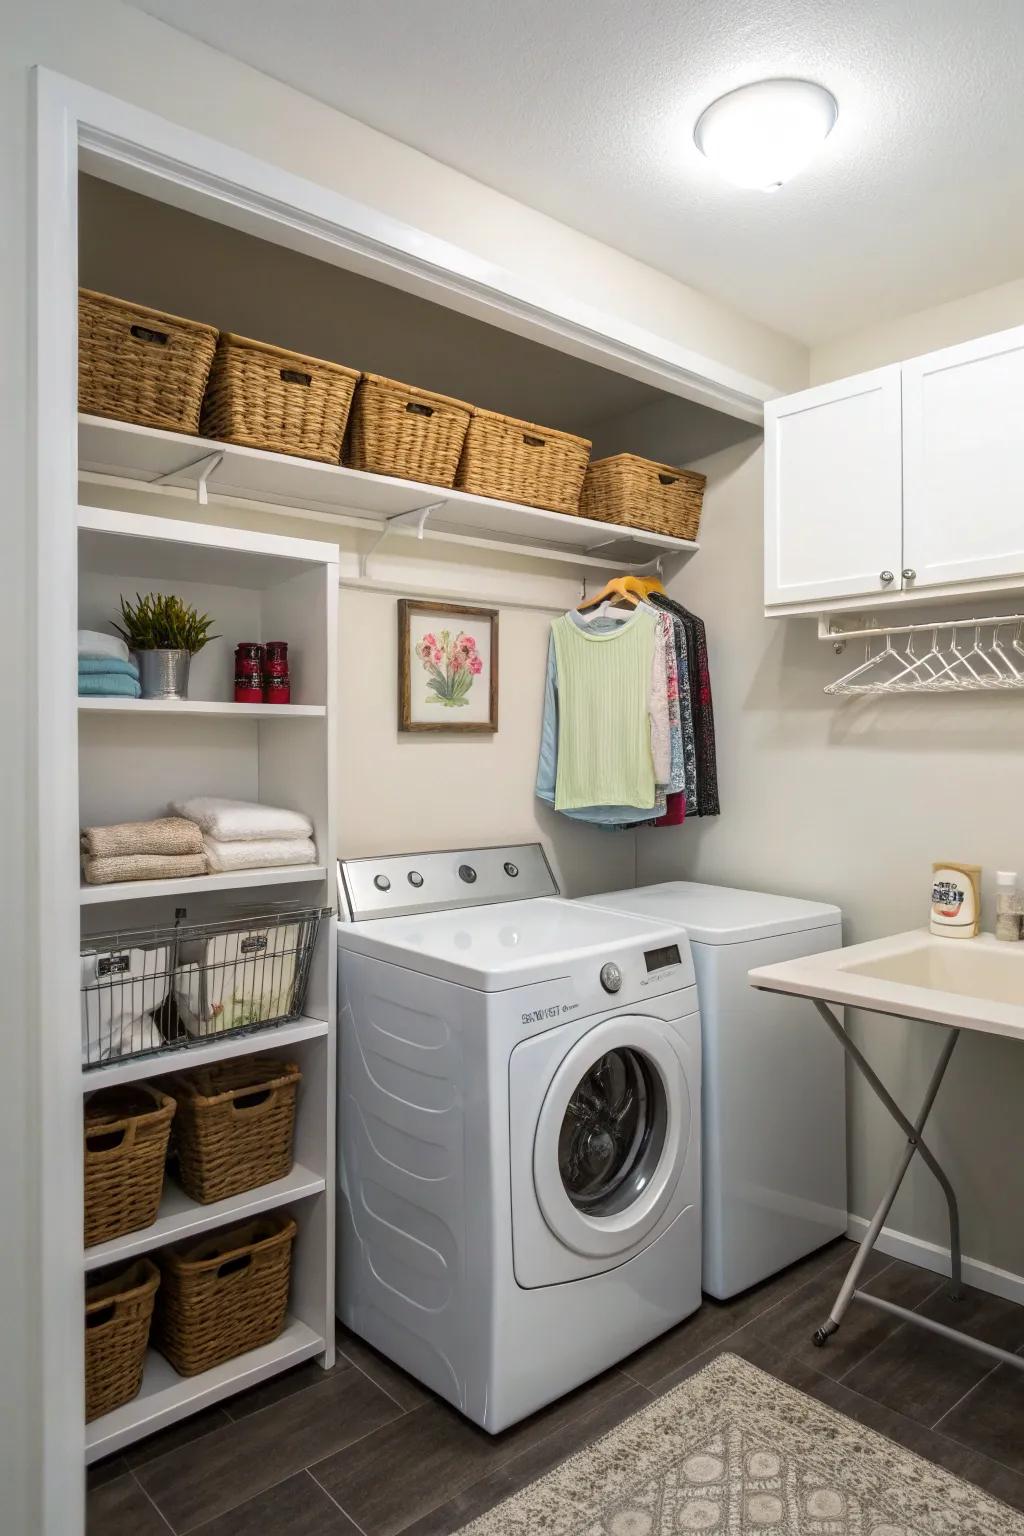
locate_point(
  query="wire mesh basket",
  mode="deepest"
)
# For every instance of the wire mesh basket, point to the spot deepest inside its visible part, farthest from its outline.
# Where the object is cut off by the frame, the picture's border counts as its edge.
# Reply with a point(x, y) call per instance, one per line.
point(148, 990)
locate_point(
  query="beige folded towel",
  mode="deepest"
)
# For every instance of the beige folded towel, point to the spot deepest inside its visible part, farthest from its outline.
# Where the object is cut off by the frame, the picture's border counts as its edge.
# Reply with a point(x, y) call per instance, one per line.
point(167, 835)
point(143, 866)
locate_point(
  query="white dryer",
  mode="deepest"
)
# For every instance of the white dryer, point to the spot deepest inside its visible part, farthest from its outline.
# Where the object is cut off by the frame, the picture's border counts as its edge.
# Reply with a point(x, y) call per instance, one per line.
point(519, 1127)
point(774, 1095)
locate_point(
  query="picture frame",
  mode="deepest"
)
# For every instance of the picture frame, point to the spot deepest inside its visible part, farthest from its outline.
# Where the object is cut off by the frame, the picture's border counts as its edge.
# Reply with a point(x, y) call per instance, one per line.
point(447, 667)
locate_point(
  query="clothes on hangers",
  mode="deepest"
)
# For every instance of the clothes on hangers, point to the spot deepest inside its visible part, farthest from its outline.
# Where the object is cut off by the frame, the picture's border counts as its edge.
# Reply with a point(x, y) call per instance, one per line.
point(583, 716)
point(702, 710)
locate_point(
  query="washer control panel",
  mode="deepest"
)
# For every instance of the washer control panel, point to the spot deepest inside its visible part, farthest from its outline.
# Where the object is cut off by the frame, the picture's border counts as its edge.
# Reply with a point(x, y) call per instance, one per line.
point(401, 885)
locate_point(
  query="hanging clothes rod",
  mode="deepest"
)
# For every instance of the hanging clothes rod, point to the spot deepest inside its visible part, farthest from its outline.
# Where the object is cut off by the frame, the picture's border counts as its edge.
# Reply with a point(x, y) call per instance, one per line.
point(826, 631)
point(406, 589)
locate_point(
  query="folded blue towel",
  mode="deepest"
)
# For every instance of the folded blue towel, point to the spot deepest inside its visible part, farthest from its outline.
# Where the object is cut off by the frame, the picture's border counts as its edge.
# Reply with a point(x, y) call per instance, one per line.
point(106, 665)
point(108, 685)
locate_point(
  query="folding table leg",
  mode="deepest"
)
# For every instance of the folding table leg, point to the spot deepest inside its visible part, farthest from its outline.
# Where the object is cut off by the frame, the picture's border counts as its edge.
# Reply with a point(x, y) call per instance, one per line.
point(915, 1143)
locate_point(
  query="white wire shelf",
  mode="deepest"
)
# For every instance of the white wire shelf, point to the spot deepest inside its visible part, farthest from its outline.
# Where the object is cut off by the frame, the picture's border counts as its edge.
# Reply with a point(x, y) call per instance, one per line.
point(952, 656)
point(119, 451)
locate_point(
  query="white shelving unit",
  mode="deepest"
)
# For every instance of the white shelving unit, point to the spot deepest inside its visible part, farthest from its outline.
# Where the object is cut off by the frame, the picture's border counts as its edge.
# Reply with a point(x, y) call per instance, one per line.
point(166, 1397)
point(226, 708)
point(197, 885)
point(181, 1217)
point(120, 451)
point(283, 1037)
point(134, 758)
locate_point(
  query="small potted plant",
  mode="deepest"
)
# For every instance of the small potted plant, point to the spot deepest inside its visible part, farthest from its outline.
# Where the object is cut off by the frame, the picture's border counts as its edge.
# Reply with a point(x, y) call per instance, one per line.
point(165, 634)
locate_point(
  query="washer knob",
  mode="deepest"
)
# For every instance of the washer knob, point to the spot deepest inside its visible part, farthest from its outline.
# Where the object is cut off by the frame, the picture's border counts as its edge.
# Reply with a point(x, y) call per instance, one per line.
point(611, 977)
point(467, 873)
point(415, 878)
point(382, 882)
point(511, 870)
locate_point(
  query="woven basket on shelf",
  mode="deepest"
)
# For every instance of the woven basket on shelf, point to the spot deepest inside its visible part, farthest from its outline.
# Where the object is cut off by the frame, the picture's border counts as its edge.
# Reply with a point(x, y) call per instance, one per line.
point(639, 493)
point(140, 365)
point(399, 430)
point(234, 1126)
point(261, 396)
point(126, 1132)
point(118, 1311)
point(516, 461)
point(223, 1294)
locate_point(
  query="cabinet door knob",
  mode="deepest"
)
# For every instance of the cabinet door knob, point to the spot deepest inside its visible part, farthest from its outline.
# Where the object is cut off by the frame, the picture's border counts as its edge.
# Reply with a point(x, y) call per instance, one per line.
point(909, 573)
point(886, 576)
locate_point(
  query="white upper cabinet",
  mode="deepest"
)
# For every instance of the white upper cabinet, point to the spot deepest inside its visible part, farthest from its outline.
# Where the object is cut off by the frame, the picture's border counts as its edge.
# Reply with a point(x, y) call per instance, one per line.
point(963, 462)
point(832, 490)
point(906, 480)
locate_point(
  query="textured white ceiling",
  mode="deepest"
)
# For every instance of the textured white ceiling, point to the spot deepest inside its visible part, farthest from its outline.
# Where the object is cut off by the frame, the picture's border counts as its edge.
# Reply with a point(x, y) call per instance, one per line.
point(584, 109)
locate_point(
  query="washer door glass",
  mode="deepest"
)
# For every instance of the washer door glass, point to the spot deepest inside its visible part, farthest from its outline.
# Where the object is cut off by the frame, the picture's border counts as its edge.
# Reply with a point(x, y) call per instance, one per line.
point(612, 1133)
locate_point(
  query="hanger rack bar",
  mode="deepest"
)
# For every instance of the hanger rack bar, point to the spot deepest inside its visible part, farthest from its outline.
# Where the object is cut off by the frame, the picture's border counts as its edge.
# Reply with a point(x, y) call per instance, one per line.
point(827, 631)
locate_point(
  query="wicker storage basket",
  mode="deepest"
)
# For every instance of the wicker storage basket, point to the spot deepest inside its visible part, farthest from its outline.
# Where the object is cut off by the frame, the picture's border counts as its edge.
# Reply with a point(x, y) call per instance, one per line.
point(642, 494)
point(234, 1126)
point(516, 461)
point(126, 1132)
point(223, 1294)
point(118, 1312)
point(399, 430)
point(264, 397)
point(140, 365)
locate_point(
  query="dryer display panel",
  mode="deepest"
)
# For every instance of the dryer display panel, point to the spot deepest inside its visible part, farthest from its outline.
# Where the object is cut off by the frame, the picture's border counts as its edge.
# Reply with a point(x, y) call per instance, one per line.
point(656, 959)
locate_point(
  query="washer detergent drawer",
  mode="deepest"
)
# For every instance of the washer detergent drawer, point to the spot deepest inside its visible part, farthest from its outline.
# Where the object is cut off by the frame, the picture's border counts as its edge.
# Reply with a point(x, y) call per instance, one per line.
point(604, 1142)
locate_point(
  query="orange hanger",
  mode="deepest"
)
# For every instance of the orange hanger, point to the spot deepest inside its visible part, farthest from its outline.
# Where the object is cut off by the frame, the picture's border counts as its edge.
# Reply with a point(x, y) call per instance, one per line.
point(624, 589)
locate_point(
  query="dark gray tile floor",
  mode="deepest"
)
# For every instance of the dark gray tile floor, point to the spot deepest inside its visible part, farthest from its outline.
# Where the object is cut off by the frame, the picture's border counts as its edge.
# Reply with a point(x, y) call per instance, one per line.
point(365, 1451)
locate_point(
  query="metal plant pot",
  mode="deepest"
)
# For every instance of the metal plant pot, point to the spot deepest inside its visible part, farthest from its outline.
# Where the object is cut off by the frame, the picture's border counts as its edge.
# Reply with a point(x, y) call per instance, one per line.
point(164, 674)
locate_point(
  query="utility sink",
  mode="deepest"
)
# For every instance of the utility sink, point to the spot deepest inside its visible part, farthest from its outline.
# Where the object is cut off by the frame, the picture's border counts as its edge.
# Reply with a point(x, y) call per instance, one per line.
point(973, 983)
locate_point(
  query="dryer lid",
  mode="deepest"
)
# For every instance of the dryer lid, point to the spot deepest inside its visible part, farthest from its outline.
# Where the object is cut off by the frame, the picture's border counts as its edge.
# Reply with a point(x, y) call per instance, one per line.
point(718, 914)
point(512, 944)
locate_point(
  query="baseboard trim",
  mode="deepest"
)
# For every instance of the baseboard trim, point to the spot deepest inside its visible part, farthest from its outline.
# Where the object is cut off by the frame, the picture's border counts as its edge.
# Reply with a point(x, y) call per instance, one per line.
point(914, 1250)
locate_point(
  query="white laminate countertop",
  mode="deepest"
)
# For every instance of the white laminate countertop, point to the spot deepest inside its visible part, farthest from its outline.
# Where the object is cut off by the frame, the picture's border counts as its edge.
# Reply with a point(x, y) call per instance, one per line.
point(968, 983)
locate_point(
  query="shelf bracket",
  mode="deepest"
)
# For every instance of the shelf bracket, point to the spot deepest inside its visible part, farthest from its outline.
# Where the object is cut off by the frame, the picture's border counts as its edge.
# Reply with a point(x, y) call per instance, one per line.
point(203, 467)
point(417, 515)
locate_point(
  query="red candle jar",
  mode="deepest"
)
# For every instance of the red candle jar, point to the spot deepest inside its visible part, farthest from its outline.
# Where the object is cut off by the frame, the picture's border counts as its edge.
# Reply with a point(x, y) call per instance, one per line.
point(249, 673)
point(277, 688)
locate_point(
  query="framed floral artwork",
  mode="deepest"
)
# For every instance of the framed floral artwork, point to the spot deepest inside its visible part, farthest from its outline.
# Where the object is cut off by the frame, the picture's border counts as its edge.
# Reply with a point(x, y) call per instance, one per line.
point(447, 667)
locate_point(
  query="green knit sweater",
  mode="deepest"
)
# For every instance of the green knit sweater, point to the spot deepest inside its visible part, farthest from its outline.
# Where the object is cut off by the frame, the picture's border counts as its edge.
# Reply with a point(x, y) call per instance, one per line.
point(604, 733)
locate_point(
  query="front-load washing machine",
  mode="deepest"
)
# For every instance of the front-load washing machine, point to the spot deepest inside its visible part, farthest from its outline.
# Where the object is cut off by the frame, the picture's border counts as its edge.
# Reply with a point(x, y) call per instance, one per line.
point(518, 1126)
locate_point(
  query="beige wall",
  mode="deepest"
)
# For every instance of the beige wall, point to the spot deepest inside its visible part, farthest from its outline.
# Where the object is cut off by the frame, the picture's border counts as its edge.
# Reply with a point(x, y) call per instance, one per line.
point(851, 802)
point(976, 314)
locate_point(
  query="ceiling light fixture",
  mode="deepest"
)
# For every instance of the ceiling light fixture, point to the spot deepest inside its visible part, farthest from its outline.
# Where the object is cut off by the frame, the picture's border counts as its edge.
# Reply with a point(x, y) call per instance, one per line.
point(762, 134)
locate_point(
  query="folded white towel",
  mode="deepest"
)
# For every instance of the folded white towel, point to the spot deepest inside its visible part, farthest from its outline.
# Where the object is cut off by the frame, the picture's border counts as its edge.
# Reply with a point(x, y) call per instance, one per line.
point(242, 821)
point(95, 644)
point(261, 853)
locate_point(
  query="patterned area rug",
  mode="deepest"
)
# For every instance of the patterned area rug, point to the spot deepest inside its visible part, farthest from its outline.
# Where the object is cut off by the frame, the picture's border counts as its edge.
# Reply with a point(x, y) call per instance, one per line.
point(734, 1451)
